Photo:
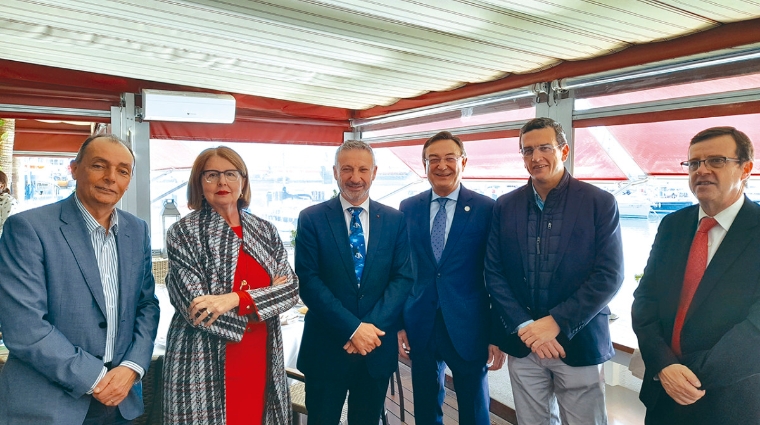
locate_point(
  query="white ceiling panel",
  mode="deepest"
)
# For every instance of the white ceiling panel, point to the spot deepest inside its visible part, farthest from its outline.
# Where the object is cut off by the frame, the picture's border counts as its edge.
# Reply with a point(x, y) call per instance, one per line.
point(352, 54)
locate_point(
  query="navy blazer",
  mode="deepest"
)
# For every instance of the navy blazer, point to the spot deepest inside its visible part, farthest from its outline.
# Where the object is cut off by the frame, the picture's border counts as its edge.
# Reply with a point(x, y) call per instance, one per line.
point(588, 271)
point(457, 282)
point(721, 334)
point(328, 286)
point(53, 312)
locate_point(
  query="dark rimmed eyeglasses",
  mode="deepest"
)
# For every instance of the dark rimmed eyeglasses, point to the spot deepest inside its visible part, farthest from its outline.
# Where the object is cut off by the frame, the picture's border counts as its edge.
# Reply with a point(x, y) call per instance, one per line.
point(713, 163)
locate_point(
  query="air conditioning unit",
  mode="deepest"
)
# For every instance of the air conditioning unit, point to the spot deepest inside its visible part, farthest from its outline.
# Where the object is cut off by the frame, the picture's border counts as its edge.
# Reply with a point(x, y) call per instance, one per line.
point(163, 105)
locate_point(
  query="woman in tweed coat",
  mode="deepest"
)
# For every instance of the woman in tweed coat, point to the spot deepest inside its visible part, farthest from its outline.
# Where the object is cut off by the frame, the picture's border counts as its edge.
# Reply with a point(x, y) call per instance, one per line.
point(203, 256)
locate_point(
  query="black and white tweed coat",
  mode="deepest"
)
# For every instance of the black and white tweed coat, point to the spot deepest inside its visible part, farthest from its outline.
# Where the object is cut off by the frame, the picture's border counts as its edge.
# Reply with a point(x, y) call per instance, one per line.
point(203, 252)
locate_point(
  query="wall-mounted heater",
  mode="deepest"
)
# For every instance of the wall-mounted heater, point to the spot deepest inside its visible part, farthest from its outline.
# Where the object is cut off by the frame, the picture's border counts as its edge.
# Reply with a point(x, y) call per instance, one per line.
point(163, 105)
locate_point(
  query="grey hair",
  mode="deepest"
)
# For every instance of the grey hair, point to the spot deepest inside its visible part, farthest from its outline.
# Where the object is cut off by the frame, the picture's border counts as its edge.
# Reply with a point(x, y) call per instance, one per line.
point(354, 144)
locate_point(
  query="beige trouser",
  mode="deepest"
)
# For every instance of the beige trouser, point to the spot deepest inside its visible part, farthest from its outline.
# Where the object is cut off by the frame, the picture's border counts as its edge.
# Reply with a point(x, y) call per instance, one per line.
point(549, 392)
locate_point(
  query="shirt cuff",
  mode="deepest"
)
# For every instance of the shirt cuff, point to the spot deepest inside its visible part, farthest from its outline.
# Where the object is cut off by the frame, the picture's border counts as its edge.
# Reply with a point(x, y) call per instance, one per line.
point(352, 335)
point(247, 306)
point(102, 374)
point(134, 366)
point(522, 325)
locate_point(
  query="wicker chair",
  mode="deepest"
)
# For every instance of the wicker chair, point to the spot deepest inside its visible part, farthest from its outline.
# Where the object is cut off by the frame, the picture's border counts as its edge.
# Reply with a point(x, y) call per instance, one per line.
point(160, 269)
point(298, 397)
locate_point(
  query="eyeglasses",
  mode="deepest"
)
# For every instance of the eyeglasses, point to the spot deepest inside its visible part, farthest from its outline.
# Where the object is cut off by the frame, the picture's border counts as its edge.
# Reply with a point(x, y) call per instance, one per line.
point(450, 160)
point(212, 176)
point(712, 163)
point(542, 149)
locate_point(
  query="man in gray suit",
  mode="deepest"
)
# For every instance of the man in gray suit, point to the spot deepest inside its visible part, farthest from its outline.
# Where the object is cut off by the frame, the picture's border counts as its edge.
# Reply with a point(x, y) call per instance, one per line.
point(76, 300)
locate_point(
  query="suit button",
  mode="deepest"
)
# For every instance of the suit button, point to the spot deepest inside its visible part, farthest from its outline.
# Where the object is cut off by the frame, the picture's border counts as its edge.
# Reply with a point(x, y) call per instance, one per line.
point(438, 275)
point(361, 296)
point(102, 325)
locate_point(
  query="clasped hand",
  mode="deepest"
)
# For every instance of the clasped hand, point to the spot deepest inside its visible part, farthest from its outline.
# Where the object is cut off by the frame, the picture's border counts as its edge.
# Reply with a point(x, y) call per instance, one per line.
point(365, 339)
point(115, 386)
point(541, 337)
point(206, 309)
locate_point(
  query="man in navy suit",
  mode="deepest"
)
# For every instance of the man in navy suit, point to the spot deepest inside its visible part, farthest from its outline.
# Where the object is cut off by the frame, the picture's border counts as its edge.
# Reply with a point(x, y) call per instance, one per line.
point(553, 263)
point(447, 315)
point(76, 300)
point(353, 265)
point(709, 372)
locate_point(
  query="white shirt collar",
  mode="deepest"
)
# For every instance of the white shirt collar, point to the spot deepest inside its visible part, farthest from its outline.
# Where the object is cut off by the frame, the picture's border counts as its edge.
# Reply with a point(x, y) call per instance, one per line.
point(346, 205)
point(451, 196)
point(726, 217)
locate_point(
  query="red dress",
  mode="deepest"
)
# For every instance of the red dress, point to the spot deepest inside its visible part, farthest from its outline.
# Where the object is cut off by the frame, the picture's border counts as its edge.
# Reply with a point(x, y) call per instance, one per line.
point(245, 370)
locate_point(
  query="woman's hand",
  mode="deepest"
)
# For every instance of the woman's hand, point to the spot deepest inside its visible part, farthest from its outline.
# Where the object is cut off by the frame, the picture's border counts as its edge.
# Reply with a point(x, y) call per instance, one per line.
point(280, 280)
point(207, 308)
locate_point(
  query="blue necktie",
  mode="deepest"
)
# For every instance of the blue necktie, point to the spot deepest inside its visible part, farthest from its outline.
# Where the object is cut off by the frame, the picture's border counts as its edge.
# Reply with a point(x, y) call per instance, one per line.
point(438, 233)
point(356, 237)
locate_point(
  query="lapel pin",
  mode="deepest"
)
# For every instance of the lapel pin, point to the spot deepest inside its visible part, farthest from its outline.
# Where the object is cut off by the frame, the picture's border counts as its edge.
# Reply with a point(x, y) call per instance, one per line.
point(467, 208)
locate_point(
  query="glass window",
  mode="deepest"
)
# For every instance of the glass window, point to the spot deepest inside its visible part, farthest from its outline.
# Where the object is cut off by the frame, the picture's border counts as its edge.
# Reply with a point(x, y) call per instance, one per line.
point(41, 180)
point(718, 85)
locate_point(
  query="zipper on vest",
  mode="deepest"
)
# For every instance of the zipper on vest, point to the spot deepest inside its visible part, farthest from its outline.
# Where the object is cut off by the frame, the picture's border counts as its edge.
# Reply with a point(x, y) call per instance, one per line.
point(538, 245)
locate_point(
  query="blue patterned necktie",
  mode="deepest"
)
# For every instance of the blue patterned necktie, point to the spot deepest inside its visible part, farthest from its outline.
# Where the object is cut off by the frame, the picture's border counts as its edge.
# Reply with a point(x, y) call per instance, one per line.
point(438, 233)
point(356, 237)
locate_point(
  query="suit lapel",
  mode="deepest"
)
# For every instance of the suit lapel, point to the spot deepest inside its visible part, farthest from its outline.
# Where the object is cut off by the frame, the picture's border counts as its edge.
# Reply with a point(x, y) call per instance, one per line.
point(728, 252)
point(125, 252)
point(519, 210)
point(74, 231)
point(573, 201)
point(337, 221)
point(376, 231)
point(461, 219)
point(421, 215)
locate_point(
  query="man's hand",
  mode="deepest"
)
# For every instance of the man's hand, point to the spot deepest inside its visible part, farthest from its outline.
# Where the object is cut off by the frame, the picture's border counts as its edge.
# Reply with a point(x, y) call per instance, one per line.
point(115, 385)
point(539, 332)
point(207, 308)
point(365, 339)
point(681, 384)
point(403, 345)
point(496, 357)
point(550, 350)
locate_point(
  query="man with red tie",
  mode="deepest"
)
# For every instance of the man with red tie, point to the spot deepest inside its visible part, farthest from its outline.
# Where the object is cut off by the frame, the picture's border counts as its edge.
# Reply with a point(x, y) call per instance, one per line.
point(697, 308)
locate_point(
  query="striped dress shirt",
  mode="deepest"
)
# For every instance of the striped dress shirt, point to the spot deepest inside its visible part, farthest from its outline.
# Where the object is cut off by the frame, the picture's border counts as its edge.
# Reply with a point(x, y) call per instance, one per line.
point(104, 245)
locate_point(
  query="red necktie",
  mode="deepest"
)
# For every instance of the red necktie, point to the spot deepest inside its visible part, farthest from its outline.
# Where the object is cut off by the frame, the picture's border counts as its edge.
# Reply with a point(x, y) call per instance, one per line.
point(695, 269)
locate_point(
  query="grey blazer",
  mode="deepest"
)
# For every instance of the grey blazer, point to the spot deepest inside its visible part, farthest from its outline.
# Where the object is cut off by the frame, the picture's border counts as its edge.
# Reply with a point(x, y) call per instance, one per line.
point(53, 312)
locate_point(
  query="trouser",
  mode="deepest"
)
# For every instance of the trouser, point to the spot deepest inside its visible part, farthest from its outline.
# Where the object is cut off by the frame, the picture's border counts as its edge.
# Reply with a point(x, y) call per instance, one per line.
point(549, 392)
point(366, 396)
point(100, 414)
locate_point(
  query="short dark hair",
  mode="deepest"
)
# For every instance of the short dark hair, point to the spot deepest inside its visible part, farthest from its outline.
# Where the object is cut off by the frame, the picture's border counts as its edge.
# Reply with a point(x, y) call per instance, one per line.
point(744, 149)
point(195, 186)
point(444, 135)
point(112, 137)
point(539, 123)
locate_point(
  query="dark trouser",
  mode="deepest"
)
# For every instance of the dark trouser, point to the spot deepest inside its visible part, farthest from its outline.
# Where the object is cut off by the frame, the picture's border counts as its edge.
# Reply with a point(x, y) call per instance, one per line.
point(100, 414)
point(470, 381)
point(366, 396)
